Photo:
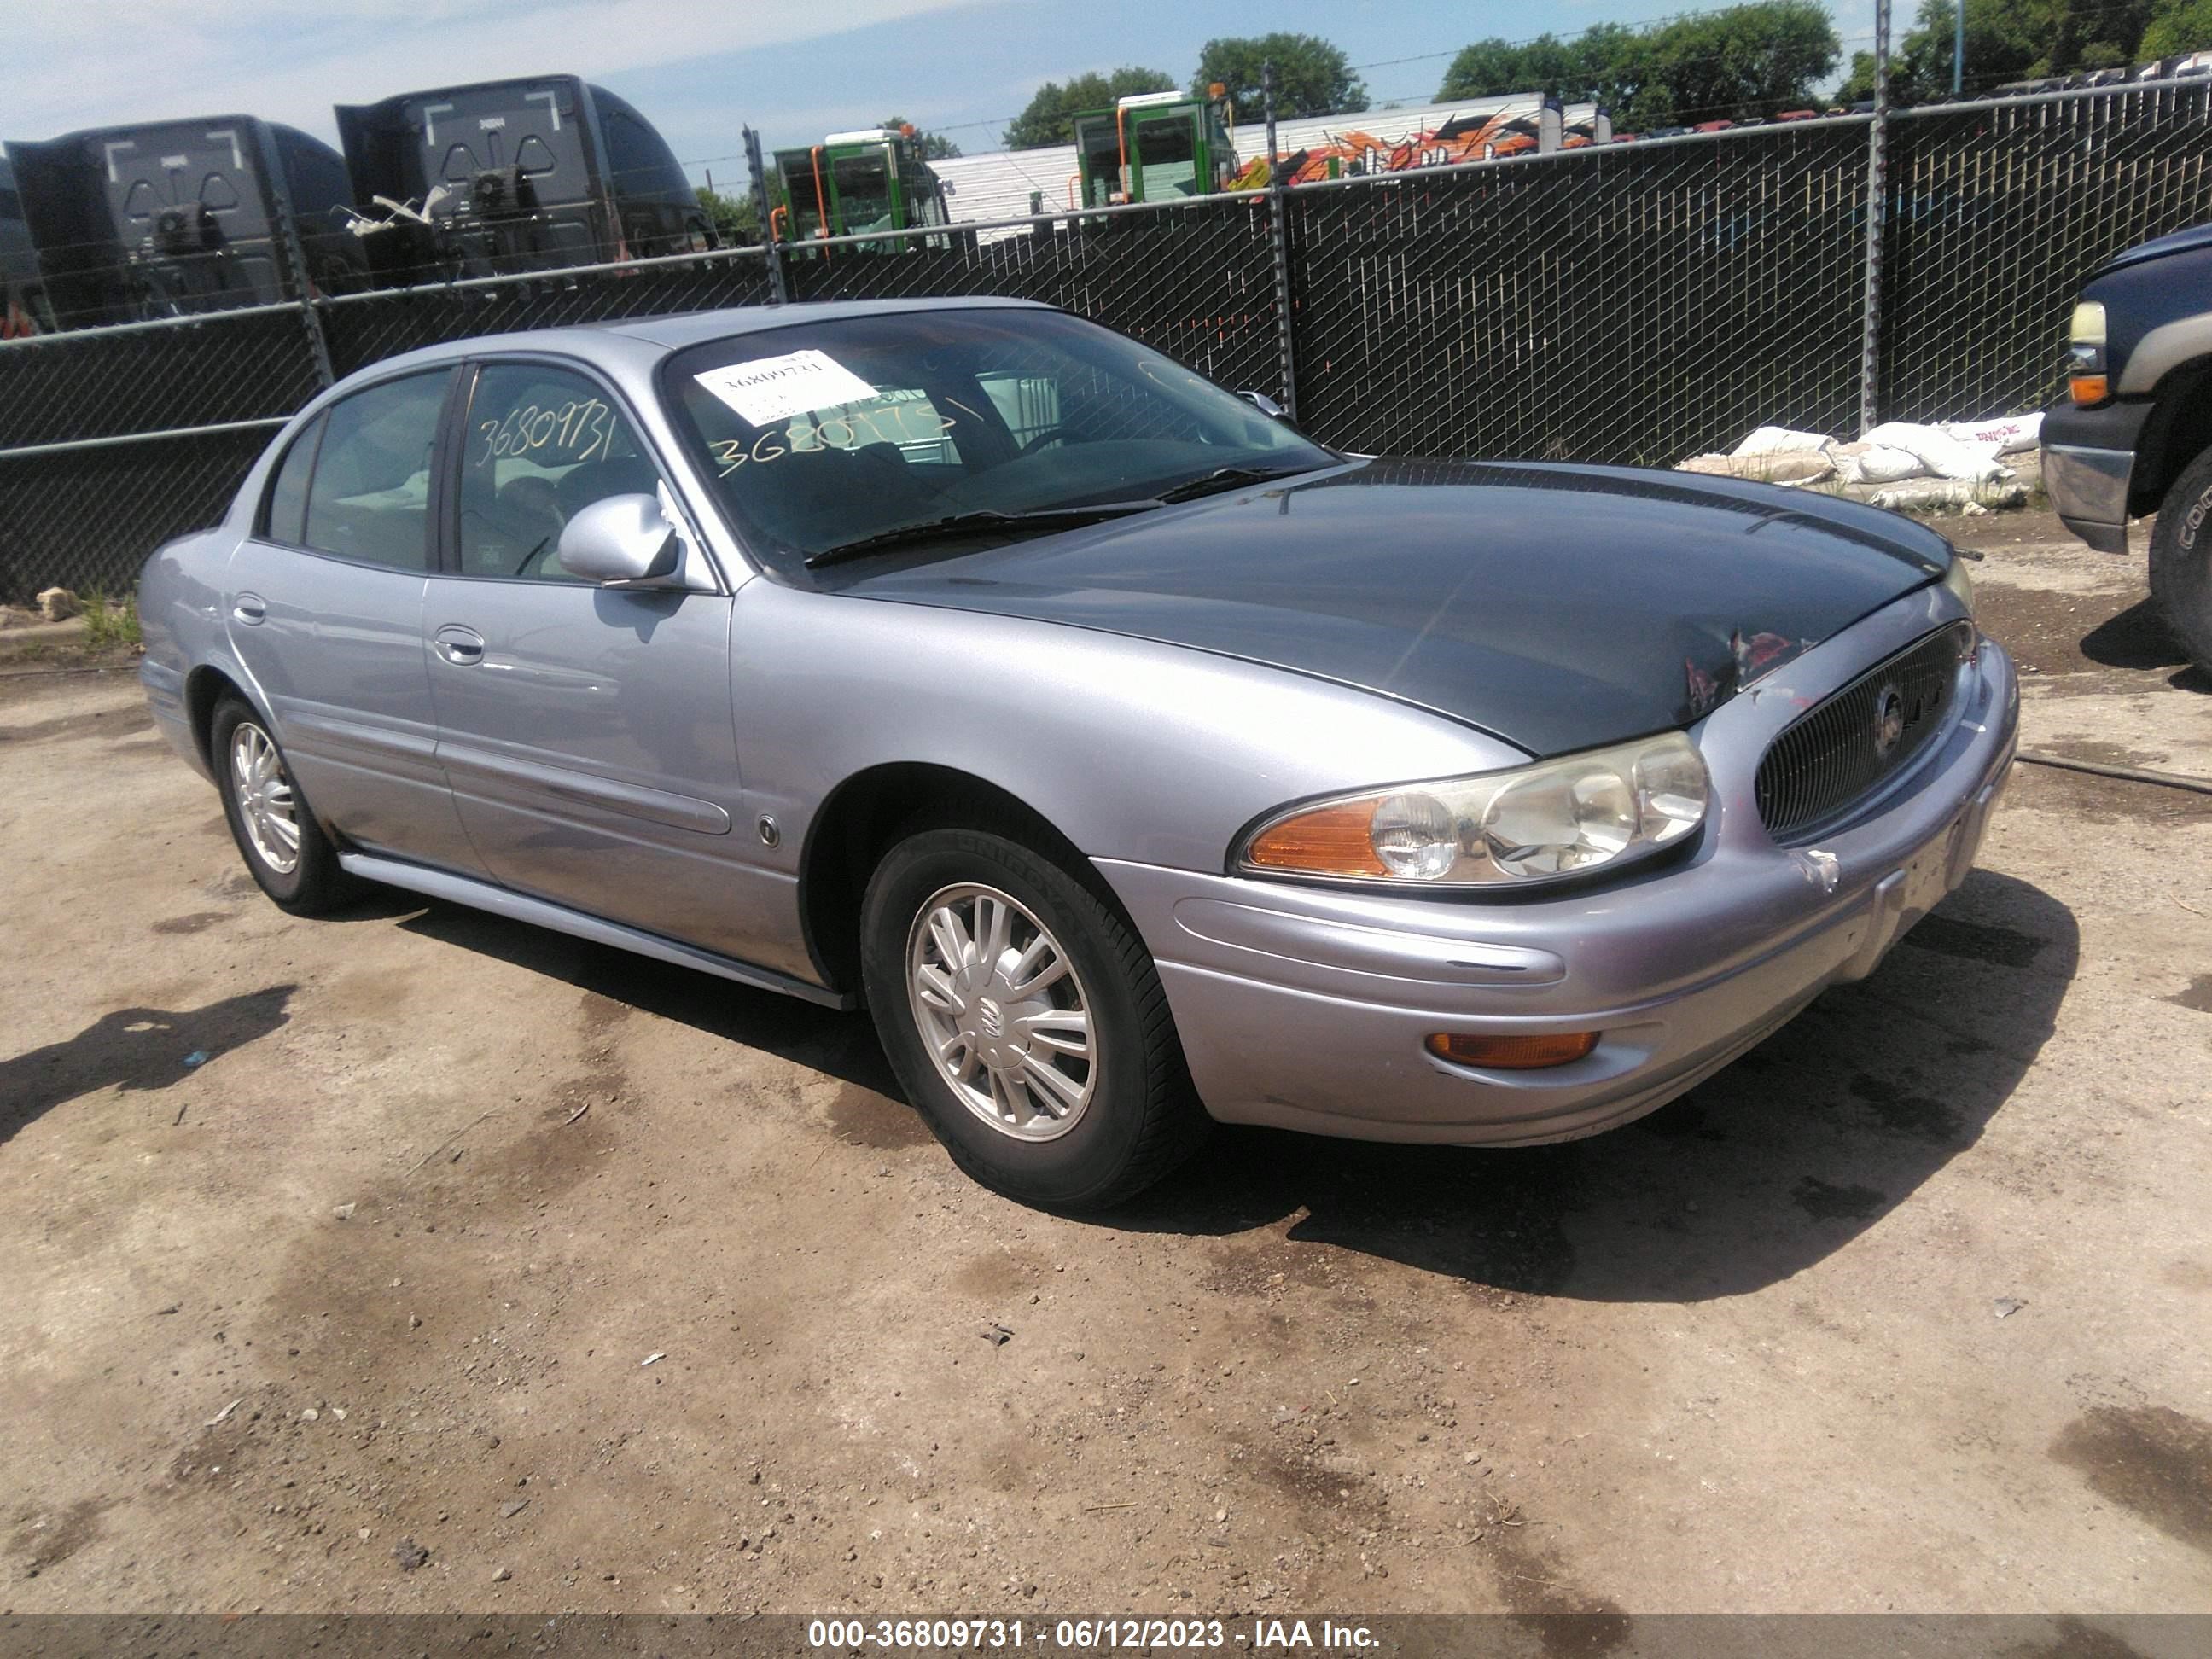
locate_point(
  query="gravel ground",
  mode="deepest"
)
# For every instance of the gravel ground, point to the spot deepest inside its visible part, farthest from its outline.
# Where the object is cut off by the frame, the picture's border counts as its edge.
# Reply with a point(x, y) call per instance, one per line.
point(477, 1268)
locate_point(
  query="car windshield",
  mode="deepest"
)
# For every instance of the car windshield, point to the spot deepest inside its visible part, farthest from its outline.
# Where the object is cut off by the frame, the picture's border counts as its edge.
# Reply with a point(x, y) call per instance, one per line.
point(824, 433)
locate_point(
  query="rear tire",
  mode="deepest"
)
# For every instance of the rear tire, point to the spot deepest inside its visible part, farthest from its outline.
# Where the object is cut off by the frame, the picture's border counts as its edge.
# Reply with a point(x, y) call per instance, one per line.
point(2181, 560)
point(286, 852)
point(1025, 1021)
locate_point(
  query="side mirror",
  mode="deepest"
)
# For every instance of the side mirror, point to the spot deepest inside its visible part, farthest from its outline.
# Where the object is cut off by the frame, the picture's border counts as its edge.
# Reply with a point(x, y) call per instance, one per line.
point(622, 538)
point(1265, 404)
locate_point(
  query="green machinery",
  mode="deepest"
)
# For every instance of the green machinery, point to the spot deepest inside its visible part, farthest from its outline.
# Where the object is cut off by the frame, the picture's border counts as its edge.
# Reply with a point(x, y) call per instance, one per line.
point(860, 184)
point(1155, 147)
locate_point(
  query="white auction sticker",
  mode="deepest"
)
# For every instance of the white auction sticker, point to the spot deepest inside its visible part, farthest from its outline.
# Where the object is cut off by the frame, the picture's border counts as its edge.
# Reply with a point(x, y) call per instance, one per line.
point(771, 389)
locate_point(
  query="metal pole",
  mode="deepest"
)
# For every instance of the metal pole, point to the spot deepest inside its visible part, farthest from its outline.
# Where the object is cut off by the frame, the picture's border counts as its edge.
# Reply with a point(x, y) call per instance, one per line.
point(767, 212)
point(1959, 49)
point(1286, 357)
point(1877, 212)
point(296, 255)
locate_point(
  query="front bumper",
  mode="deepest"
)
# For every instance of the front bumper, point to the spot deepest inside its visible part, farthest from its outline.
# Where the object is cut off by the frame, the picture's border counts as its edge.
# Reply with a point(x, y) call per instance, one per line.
point(1306, 1007)
point(2088, 463)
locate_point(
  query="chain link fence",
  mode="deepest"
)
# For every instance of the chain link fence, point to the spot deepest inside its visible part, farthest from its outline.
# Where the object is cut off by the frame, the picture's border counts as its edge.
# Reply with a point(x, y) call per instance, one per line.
point(1995, 213)
point(1628, 304)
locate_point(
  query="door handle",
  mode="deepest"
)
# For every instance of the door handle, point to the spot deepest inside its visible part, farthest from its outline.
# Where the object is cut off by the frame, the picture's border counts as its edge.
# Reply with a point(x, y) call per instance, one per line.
point(250, 609)
point(462, 647)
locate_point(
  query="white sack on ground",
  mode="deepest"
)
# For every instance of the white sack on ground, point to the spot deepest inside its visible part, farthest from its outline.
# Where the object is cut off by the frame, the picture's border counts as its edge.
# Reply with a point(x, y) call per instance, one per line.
point(1922, 494)
point(2008, 436)
point(1780, 440)
point(1777, 466)
point(1873, 464)
point(1939, 453)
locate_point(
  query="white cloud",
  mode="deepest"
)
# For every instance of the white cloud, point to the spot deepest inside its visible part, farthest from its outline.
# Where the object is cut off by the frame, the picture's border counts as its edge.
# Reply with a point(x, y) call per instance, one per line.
point(99, 62)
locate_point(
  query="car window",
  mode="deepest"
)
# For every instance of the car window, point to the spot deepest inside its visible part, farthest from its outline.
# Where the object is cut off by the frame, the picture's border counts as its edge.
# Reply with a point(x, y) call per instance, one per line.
point(820, 433)
point(540, 445)
point(370, 495)
point(286, 519)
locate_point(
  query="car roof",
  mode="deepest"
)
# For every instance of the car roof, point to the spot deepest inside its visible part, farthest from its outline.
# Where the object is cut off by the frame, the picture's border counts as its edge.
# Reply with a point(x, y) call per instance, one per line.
point(662, 335)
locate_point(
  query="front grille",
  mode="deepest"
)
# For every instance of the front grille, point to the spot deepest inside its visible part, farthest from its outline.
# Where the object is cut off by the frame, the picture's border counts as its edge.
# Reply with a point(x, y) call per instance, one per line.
point(1825, 764)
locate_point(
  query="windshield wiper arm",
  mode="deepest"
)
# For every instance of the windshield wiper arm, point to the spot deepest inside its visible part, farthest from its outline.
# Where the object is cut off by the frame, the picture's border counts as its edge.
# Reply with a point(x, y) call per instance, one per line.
point(982, 520)
point(1226, 477)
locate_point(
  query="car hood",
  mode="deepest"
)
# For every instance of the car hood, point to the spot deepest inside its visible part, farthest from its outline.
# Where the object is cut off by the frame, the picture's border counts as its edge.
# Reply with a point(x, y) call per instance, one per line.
point(2179, 241)
point(1556, 607)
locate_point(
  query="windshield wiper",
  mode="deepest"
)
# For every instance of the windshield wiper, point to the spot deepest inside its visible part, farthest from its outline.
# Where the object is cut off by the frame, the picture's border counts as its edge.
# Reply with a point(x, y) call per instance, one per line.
point(1226, 477)
point(982, 520)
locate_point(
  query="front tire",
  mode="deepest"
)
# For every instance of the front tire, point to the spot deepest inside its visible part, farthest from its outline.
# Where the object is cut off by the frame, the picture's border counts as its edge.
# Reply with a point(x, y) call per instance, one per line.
point(1025, 1021)
point(286, 852)
point(2181, 560)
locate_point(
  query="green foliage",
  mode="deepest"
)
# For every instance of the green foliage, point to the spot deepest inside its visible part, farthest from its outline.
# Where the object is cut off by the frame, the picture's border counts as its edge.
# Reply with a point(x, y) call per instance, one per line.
point(935, 146)
point(735, 219)
point(1312, 77)
point(2028, 40)
point(1754, 59)
point(2179, 26)
point(109, 622)
point(1050, 115)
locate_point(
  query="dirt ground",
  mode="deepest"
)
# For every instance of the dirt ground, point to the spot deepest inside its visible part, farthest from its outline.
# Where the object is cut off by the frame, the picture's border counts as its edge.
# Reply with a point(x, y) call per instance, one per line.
point(610, 1286)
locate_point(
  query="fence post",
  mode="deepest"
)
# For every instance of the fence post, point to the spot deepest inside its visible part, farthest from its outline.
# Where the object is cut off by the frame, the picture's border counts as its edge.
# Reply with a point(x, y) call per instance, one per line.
point(1277, 235)
point(1877, 205)
point(767, 211)
point(296, 255)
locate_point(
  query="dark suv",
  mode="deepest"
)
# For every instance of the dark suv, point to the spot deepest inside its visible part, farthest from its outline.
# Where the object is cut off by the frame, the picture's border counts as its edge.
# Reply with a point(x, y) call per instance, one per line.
point(2134, 435)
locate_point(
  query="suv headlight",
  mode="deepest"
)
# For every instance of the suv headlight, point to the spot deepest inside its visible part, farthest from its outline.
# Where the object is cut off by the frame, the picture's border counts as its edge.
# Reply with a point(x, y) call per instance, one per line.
point(2088, 380)
point(1538, 822)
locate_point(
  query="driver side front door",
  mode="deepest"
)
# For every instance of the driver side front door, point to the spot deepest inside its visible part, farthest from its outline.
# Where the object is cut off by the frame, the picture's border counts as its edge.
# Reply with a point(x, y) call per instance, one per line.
point(587, 731)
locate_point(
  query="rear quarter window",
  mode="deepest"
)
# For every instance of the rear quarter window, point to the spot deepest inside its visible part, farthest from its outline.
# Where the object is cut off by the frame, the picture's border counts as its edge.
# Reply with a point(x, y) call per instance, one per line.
point(284, 514)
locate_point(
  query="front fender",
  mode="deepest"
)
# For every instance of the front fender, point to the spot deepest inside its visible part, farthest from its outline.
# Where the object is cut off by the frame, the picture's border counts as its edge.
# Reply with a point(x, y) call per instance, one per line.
point(1134, 751)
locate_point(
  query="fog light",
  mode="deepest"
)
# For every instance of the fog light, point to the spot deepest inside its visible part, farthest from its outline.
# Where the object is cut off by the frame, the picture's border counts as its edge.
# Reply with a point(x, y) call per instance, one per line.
point(1513, 1053)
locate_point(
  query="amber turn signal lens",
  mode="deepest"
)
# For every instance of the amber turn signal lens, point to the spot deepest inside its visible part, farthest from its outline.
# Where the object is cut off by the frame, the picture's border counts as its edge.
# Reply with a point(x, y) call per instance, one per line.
point(2089, 388)
point(1513, 1053)
point(1336, 841)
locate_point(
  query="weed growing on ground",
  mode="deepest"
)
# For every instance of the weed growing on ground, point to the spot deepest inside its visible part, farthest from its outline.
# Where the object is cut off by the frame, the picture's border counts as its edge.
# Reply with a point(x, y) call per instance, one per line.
point(109, 622)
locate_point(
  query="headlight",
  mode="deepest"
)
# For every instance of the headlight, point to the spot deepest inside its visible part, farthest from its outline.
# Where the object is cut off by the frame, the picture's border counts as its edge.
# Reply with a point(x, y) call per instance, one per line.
point(2089, 378)
point(1959, 582)
point(1534, 823)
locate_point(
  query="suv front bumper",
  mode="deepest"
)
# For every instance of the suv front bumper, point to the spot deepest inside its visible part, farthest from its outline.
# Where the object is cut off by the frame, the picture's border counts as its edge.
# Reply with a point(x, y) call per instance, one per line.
point(2088, 463)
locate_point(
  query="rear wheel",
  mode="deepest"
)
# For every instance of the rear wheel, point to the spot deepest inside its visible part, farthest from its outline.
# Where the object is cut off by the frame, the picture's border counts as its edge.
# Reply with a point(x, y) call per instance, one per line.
point(2181, 560)
point(285, 850)
point(1025, 1022)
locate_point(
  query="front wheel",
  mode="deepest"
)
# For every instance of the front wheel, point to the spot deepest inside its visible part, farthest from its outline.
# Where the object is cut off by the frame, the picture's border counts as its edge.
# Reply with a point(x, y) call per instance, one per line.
point(2181, 560)
point(1025, 1021)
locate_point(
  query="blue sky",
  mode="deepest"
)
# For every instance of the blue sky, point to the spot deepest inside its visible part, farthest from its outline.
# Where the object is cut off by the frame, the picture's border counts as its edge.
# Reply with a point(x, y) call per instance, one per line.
point(699, 72)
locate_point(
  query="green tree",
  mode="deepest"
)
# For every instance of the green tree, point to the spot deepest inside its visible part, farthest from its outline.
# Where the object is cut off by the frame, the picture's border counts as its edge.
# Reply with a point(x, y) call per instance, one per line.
point(1312, 77)
point(935, 146)
point(2179, 27)
point(1753, 59)
point(2023, 41)
point(735, 219)
point(1746, 61)
point(1049, 117)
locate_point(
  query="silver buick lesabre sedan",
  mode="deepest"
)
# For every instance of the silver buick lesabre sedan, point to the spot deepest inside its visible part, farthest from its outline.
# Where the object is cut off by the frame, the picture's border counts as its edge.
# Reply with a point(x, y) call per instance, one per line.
point(1131, 757)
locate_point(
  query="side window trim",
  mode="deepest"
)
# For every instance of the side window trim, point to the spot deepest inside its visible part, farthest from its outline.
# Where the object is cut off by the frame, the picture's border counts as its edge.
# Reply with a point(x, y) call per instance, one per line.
point(446, 470)
point(473, 374)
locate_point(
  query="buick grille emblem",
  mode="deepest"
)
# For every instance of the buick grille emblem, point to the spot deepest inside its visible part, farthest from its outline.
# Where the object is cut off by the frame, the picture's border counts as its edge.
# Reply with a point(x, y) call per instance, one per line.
point(1888, 721)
